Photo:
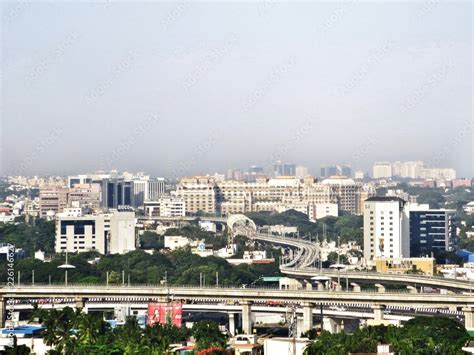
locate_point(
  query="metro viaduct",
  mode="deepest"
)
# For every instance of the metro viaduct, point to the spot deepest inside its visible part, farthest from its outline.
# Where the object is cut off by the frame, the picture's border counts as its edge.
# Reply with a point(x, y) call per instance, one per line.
point(307, 299)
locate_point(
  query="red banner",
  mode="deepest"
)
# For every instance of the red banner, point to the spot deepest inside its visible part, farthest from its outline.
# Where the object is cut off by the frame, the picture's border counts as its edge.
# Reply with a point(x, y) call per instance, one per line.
point(164, 313)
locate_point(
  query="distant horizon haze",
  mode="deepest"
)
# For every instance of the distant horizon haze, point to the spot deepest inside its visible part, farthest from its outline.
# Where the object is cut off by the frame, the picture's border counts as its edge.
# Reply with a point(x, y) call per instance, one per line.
point(186, 88)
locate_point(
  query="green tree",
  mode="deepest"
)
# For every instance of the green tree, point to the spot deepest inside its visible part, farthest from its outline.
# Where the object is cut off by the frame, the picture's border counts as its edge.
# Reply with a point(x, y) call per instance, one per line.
point(207, 334)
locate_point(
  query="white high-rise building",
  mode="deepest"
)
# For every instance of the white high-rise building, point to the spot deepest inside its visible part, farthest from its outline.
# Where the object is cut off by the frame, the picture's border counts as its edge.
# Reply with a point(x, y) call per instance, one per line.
point(382, 170)
point(386, 229)
point(407, 169)
point(438, 173)
point(110, 233)
point(301, 171)
point(140, 191)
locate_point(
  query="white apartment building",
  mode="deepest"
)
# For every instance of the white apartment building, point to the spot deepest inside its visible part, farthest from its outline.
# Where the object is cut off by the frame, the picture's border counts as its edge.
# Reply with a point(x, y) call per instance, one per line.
point(301, 171)
point(382, 170)
point(407, 169)
point(171, 207)
point(438, 173)
point(321, 210)
point(386, 229)
point(111, 233)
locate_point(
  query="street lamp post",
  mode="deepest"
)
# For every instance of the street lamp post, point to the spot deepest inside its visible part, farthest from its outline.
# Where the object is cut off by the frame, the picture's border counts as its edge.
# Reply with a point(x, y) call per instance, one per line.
point(66, 267)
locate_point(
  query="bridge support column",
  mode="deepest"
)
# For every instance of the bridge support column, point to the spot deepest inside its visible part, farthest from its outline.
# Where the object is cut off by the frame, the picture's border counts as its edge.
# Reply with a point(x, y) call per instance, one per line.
point(307, 317)
point(330, 325)
point(3, 312)
point(246, 317)
point(81, 304)
point(378, 311)
point(355, 287)
point(469, 319)
point(412, 289)
point(380, 288)
point(232, 323)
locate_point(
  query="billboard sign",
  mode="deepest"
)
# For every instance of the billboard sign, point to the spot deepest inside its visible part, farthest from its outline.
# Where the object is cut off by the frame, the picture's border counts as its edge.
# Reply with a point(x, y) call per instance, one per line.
point(164, 313)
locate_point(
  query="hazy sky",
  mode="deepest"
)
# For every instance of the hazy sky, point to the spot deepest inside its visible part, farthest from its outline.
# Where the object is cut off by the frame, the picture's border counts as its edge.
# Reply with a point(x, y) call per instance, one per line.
point(191, 87)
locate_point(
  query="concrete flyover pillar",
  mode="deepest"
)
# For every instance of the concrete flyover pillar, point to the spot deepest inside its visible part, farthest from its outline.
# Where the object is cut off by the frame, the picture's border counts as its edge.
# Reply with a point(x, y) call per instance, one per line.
point(3, 312)
point(380, 288)
point(307, 316)
point(378, 311)
point(232, 323)
point(81, 304)
point(469, 319)
point(330, 325)
point(412, 289)
point(246, 317)
point(355, 287)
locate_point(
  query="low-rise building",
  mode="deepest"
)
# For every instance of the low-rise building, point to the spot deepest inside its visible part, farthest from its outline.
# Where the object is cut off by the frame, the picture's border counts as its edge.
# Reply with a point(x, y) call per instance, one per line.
point(173, 242)
point(406, 265)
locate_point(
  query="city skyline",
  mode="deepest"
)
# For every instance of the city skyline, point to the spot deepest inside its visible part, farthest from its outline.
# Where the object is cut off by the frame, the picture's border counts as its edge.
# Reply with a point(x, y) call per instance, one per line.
point(183, 88)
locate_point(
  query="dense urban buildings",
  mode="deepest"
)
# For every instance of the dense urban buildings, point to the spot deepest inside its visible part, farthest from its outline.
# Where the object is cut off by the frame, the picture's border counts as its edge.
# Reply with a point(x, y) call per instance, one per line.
point(411, 170)
point(281, 193)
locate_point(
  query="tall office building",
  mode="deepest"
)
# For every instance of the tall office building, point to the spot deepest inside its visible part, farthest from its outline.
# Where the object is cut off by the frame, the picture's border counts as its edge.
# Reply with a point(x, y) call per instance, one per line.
point(78, 179)
point(382, 170)
point(156, 188)
point(336, 170)
point(283, 169)
point(328, 171)
point(385, 229)
point(140, 192)
point(431, 230)
point(116, 192)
